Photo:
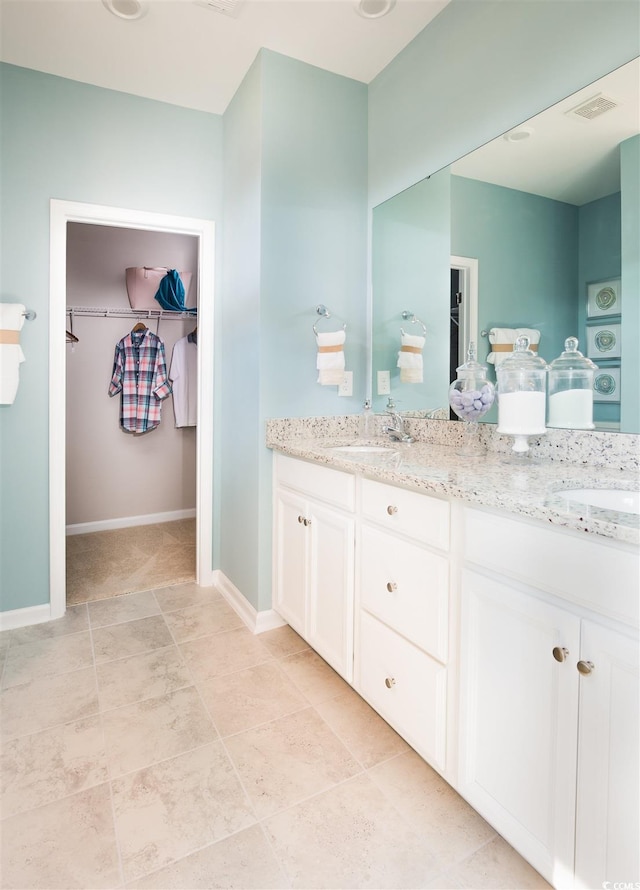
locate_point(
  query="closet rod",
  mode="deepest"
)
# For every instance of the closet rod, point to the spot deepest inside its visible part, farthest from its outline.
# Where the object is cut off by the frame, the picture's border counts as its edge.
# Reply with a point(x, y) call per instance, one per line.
point(105, 312)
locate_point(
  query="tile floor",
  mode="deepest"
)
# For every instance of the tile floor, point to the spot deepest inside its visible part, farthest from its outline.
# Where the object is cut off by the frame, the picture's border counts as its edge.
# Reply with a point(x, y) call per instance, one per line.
point(127, 560)
point(151, 741)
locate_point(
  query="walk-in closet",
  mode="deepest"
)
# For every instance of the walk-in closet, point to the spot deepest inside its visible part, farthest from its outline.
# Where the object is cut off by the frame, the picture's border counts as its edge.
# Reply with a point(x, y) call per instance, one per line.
point(130, 496)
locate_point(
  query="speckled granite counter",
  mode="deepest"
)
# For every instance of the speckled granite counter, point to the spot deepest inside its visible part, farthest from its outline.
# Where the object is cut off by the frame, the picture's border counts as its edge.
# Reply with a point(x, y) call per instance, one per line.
point(526, 486)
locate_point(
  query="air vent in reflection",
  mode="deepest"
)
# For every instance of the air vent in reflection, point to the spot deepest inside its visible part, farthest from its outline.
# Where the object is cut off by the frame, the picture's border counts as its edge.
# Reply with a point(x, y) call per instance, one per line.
point(594, 107)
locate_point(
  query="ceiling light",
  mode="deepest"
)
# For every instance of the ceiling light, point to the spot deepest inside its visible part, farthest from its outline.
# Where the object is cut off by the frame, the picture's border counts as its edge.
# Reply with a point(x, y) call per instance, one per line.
point(518, 135)
point(127, 9)
point(374, 9)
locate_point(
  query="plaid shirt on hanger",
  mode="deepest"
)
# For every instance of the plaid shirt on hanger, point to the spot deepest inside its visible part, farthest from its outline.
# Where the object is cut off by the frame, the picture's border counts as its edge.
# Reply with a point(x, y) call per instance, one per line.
point(140, 374)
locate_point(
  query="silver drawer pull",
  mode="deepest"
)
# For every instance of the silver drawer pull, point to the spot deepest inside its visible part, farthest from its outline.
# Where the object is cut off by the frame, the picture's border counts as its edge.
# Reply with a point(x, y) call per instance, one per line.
point(391, 586)
point(389, 682)
point(585, 667)
point(392, 510)
point(301, 519)
point(560, 653)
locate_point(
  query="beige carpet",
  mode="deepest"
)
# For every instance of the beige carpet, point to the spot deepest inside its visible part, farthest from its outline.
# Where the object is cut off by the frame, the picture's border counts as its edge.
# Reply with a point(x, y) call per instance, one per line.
point(127, 560)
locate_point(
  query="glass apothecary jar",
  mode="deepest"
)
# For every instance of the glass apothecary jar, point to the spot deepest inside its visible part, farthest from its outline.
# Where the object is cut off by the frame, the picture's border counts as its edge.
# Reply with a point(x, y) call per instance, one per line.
point(571, 378)
point(471, 394)
point(522, 395)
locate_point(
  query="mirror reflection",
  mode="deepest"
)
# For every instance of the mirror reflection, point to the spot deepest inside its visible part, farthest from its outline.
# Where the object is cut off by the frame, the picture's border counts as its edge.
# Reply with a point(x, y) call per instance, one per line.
point(537, 230)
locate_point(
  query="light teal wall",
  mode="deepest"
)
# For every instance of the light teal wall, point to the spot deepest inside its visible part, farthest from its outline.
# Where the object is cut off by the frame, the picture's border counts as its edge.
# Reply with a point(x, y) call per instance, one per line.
point(67, 140)
point(480, 68)
point(410, 264)
point(296, 189)
point(600, 257)
point(630, 185)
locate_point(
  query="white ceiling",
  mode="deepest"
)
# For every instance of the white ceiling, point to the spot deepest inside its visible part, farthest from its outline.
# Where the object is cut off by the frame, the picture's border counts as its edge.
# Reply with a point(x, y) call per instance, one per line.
point(183, 53)
point(567, 158)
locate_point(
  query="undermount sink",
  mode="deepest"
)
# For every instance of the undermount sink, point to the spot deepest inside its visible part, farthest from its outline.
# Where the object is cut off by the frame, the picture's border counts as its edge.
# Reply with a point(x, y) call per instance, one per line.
point(606, 498)
point(363, 449)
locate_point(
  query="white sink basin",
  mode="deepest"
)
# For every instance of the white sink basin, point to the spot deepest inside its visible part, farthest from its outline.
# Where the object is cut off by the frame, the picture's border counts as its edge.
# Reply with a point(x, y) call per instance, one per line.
point(363, 449)
point(605, 498)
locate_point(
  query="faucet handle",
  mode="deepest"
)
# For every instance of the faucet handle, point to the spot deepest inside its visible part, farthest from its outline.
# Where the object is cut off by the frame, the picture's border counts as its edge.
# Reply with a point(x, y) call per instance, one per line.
point(391, 406)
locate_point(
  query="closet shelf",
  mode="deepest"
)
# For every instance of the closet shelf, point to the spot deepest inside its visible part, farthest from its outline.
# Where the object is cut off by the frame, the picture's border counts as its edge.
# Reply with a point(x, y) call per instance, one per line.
point(124, 312)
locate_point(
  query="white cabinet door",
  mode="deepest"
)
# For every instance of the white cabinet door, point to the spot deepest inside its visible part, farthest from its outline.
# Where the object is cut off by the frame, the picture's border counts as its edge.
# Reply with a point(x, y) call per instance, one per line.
point(608, 830)
point(518, 732)
point(291, 536)
point(331, 582)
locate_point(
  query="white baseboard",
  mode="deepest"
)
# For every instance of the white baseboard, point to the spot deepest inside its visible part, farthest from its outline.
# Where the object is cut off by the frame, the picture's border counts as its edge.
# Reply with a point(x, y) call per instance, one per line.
point(24, 617)
point(257, 622)
point(105, 525)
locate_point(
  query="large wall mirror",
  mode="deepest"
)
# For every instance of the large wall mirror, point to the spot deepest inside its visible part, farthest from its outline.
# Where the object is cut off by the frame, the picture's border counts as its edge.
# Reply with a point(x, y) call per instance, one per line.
point(538, 229)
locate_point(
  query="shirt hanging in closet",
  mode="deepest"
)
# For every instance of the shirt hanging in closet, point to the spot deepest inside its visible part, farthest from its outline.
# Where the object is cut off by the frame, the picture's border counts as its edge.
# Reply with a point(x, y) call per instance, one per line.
point(140, 374)
point(184, 381)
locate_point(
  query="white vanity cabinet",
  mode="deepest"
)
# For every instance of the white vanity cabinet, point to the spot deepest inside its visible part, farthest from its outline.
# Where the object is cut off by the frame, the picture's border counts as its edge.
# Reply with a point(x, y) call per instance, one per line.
point(314, 529)
point(402, 615)
point(549, 741)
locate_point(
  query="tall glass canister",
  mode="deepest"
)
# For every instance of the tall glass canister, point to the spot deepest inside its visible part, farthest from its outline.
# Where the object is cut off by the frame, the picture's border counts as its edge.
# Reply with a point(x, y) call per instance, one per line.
point(571, 389)
point(522, 386)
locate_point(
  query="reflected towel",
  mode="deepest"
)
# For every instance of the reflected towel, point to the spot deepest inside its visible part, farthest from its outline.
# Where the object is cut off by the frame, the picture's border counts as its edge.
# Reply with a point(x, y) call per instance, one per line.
point(330, 360)
point(11, 354)
point(410, 358)
point(502, 340)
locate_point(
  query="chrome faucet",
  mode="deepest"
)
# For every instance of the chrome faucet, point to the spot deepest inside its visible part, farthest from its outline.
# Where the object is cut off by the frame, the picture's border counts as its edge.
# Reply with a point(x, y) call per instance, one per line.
point(397, 432)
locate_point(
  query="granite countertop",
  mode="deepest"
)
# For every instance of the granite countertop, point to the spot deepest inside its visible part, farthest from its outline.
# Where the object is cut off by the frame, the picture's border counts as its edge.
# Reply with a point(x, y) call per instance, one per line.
point(524, 486)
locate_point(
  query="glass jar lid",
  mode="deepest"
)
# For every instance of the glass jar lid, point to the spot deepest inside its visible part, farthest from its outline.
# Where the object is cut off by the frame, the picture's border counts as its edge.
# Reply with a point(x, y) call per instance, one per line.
point(472, 367)
point(522, 358)
point(572, 359)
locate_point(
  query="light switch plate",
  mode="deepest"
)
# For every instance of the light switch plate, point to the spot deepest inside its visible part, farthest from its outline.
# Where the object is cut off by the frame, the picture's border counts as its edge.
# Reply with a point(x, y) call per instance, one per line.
point(384, 383)
point(346, 387)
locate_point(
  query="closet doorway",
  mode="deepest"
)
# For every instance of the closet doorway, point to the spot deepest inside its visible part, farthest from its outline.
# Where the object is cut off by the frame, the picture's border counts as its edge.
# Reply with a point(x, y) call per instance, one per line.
point(88, 494)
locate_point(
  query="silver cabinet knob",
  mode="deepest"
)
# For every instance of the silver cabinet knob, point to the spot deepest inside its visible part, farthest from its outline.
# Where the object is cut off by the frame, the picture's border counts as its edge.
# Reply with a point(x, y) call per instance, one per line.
point(307, 522)
point(300, 519)
point(392, 510)
point(389, 682)
point(585, 667)
point(560, 653)
point(391, 586)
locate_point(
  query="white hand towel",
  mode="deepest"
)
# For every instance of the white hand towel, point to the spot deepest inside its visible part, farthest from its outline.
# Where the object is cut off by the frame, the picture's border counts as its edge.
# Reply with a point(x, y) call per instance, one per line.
point(330, 361)
point(410, 358)
point(504, 338)
point(11, 354)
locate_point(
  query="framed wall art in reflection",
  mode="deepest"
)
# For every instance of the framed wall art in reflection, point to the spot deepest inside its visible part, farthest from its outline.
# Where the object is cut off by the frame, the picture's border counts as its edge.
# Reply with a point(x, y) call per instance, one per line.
point(603, 341)
point(606, 384)
point(604, 298)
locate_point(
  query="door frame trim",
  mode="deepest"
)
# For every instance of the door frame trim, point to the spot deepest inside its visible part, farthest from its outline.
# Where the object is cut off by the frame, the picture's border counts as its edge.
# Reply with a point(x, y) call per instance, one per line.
point(61, 213)
point(468, 266)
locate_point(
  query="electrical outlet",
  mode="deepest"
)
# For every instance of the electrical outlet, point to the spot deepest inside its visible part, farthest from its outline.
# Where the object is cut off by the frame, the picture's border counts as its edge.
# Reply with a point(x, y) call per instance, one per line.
point(346, 387)
point(384, 383)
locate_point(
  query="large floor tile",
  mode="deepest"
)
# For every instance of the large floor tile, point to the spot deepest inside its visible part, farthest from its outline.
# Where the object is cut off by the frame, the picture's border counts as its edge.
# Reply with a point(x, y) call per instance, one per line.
point(48, 702)
point(202, 620)
point(369, 738)
point(350, 837)
point(248, 698)
point(73, 621)
point(496, 866)
point(313, 676)
point(283, 641)
point(287, 760)
point(127, 607)
point(450, 828)
point(46, 658)
point(48, 765)
point(181, 596)
point(224, 653)
point(156, 729)
point(244, 861)
point(130, 638)
point(66, 844)
point(139, 677)
point(176, 807)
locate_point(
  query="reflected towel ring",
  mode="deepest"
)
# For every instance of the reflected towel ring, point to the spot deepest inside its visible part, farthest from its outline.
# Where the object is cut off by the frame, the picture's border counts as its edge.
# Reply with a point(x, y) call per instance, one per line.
point(323, 312)
point(413, 319)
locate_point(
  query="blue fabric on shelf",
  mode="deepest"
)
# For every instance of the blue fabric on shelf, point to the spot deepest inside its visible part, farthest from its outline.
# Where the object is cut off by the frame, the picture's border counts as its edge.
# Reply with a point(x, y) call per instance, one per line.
point(171, 294)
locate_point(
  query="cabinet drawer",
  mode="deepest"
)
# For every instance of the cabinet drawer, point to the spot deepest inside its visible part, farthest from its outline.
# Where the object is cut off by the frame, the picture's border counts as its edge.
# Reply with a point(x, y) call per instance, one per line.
point(599, 575)
point(417, 515)
point(407, 587)
point(405, 686)
point(323, 483)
